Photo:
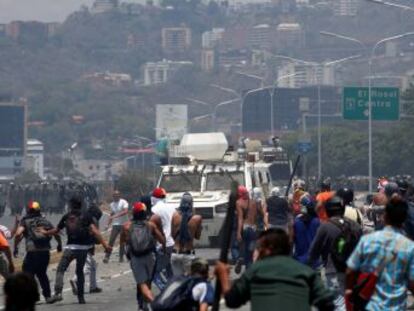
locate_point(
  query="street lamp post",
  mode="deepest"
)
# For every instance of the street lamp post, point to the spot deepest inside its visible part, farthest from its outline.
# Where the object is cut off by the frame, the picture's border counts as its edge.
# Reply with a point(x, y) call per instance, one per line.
point(316, 65)
point(371, 56)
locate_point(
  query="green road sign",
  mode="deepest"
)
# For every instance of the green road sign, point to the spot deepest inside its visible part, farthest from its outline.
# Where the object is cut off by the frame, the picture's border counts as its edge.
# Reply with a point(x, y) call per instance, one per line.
point(385, 103)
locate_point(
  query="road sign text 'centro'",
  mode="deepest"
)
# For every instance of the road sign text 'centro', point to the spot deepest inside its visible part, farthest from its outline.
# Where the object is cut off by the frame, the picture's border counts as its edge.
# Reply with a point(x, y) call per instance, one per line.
point(385, 103)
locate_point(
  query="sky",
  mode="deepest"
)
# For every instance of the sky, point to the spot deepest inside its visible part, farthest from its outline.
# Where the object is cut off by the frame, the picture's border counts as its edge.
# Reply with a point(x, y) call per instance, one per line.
point(40, 10)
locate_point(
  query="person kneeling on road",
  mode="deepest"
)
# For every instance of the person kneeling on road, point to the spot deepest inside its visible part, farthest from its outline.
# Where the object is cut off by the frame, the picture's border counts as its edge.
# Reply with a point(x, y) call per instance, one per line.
point(80, 229)
point(140, 236)
point(275, 280)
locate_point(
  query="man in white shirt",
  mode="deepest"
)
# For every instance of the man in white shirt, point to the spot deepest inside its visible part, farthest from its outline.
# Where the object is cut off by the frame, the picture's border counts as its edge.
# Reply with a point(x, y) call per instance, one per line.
point(119, 216)
point(162, 216)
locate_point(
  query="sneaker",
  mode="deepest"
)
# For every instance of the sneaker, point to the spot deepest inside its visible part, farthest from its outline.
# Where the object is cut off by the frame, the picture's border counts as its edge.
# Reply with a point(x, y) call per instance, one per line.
point(106, 260)
point(57, 297)
point(74, 288)
point(238, 266)
point(50, 300)
point(81, 300)
point(95, 290)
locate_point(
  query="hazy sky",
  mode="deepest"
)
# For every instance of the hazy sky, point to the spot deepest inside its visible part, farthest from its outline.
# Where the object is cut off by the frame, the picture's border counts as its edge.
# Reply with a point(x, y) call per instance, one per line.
point(42, 10)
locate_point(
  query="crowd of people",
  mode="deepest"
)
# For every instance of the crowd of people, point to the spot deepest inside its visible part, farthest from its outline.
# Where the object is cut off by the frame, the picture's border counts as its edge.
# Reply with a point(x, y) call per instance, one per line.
point(308, 250)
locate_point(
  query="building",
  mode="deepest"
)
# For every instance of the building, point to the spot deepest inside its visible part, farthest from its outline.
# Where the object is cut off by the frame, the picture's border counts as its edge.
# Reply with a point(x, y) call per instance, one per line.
point(300, 75)
point(208, 60)
point(27, 32)
point(13, 136)
point(160, 72)
point(103, 6)
point(35, 157)
point(259, 36)
point(109, 78)
point(3, 30)
point(210, 39)
point(345, 7)
point(234, 38)
point(52, 29)
point(176, 40)
point(289, 35)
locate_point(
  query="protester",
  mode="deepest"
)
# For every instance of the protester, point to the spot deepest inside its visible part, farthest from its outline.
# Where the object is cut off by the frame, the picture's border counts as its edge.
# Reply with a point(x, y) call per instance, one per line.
point(275, 281)
point(390, 255)
point(162, 217)
point(6, 259)
point(279, 214)
point(119, 216)
point(247, 215)
point(91, 265)
point(298, 192)
point(80, 230)
point(20, 292)
point(260, 203)
point(140, 238)
point(38, 246)
point(351, 212)
point(185, 228)
point(304, 229)
point(380, 200)
point(334, 242)
point(242, 198)
point(324, 195)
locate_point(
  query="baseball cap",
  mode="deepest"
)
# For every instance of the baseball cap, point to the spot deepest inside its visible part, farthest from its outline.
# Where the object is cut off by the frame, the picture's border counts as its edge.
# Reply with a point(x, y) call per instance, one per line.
point(159, 193)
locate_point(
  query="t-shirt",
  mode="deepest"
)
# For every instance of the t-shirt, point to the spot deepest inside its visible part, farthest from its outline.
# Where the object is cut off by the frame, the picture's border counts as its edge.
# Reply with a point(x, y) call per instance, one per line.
point(4, 235)
point(304, 234)
point(203, 293)
point(165, 212)
point(321, 198)
point(278, 283)
point(116, 208)
point(30, 244)
point(278, 211)
point(82, 239)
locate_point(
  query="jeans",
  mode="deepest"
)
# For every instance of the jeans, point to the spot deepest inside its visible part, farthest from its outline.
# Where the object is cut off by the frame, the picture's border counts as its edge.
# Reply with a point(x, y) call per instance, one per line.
point(67, 257)
point(163, 269)
point(36, 263)
point(116, 230)
point(4, 266)
point(249, 243)
point(89, 269)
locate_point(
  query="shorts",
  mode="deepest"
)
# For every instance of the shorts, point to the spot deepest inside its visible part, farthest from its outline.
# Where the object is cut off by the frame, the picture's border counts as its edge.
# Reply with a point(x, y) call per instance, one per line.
point(143, 267)
point(181, 263)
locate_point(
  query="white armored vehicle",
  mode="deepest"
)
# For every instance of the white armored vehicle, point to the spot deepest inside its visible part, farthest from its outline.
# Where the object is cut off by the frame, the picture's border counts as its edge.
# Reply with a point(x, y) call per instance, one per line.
point(204, 165)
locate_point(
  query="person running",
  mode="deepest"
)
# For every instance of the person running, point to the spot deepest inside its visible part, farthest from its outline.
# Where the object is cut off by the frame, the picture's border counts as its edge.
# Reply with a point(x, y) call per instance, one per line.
point(325, 246)
point(275, 281)
point(21, 292)
point(185, 228)
point(247, 215)
point(140, 236)
point(119, 216)
point(393, 251)
point(304, 229)
point(80, 230)
point(162, 217)
point(91, 265)
point(279, 214)
point(38, 246)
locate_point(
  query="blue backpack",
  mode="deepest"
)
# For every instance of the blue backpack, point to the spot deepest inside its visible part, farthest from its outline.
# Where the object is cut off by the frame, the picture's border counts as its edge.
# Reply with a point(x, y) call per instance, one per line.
point(177, 295)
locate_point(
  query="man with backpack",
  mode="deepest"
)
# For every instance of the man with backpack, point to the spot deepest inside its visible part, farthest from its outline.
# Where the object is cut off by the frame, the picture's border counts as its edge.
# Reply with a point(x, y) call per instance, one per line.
point(91, 265)
point(187, 293)
point(334, 242)
point(185, 228)
point(140, 237)
point(38, 246)
point(80, 230)
point(386, 257)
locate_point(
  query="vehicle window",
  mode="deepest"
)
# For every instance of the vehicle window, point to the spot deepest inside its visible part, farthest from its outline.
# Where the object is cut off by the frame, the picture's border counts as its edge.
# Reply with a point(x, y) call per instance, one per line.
point(181, 182)
point(222, 180)
point(279, 171)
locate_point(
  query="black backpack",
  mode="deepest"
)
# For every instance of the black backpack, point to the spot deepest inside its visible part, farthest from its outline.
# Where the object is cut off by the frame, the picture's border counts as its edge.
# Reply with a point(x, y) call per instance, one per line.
point(39, 239)
point(177, 295)
point(141, 240)
point(76, 227)
point(345, 243)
